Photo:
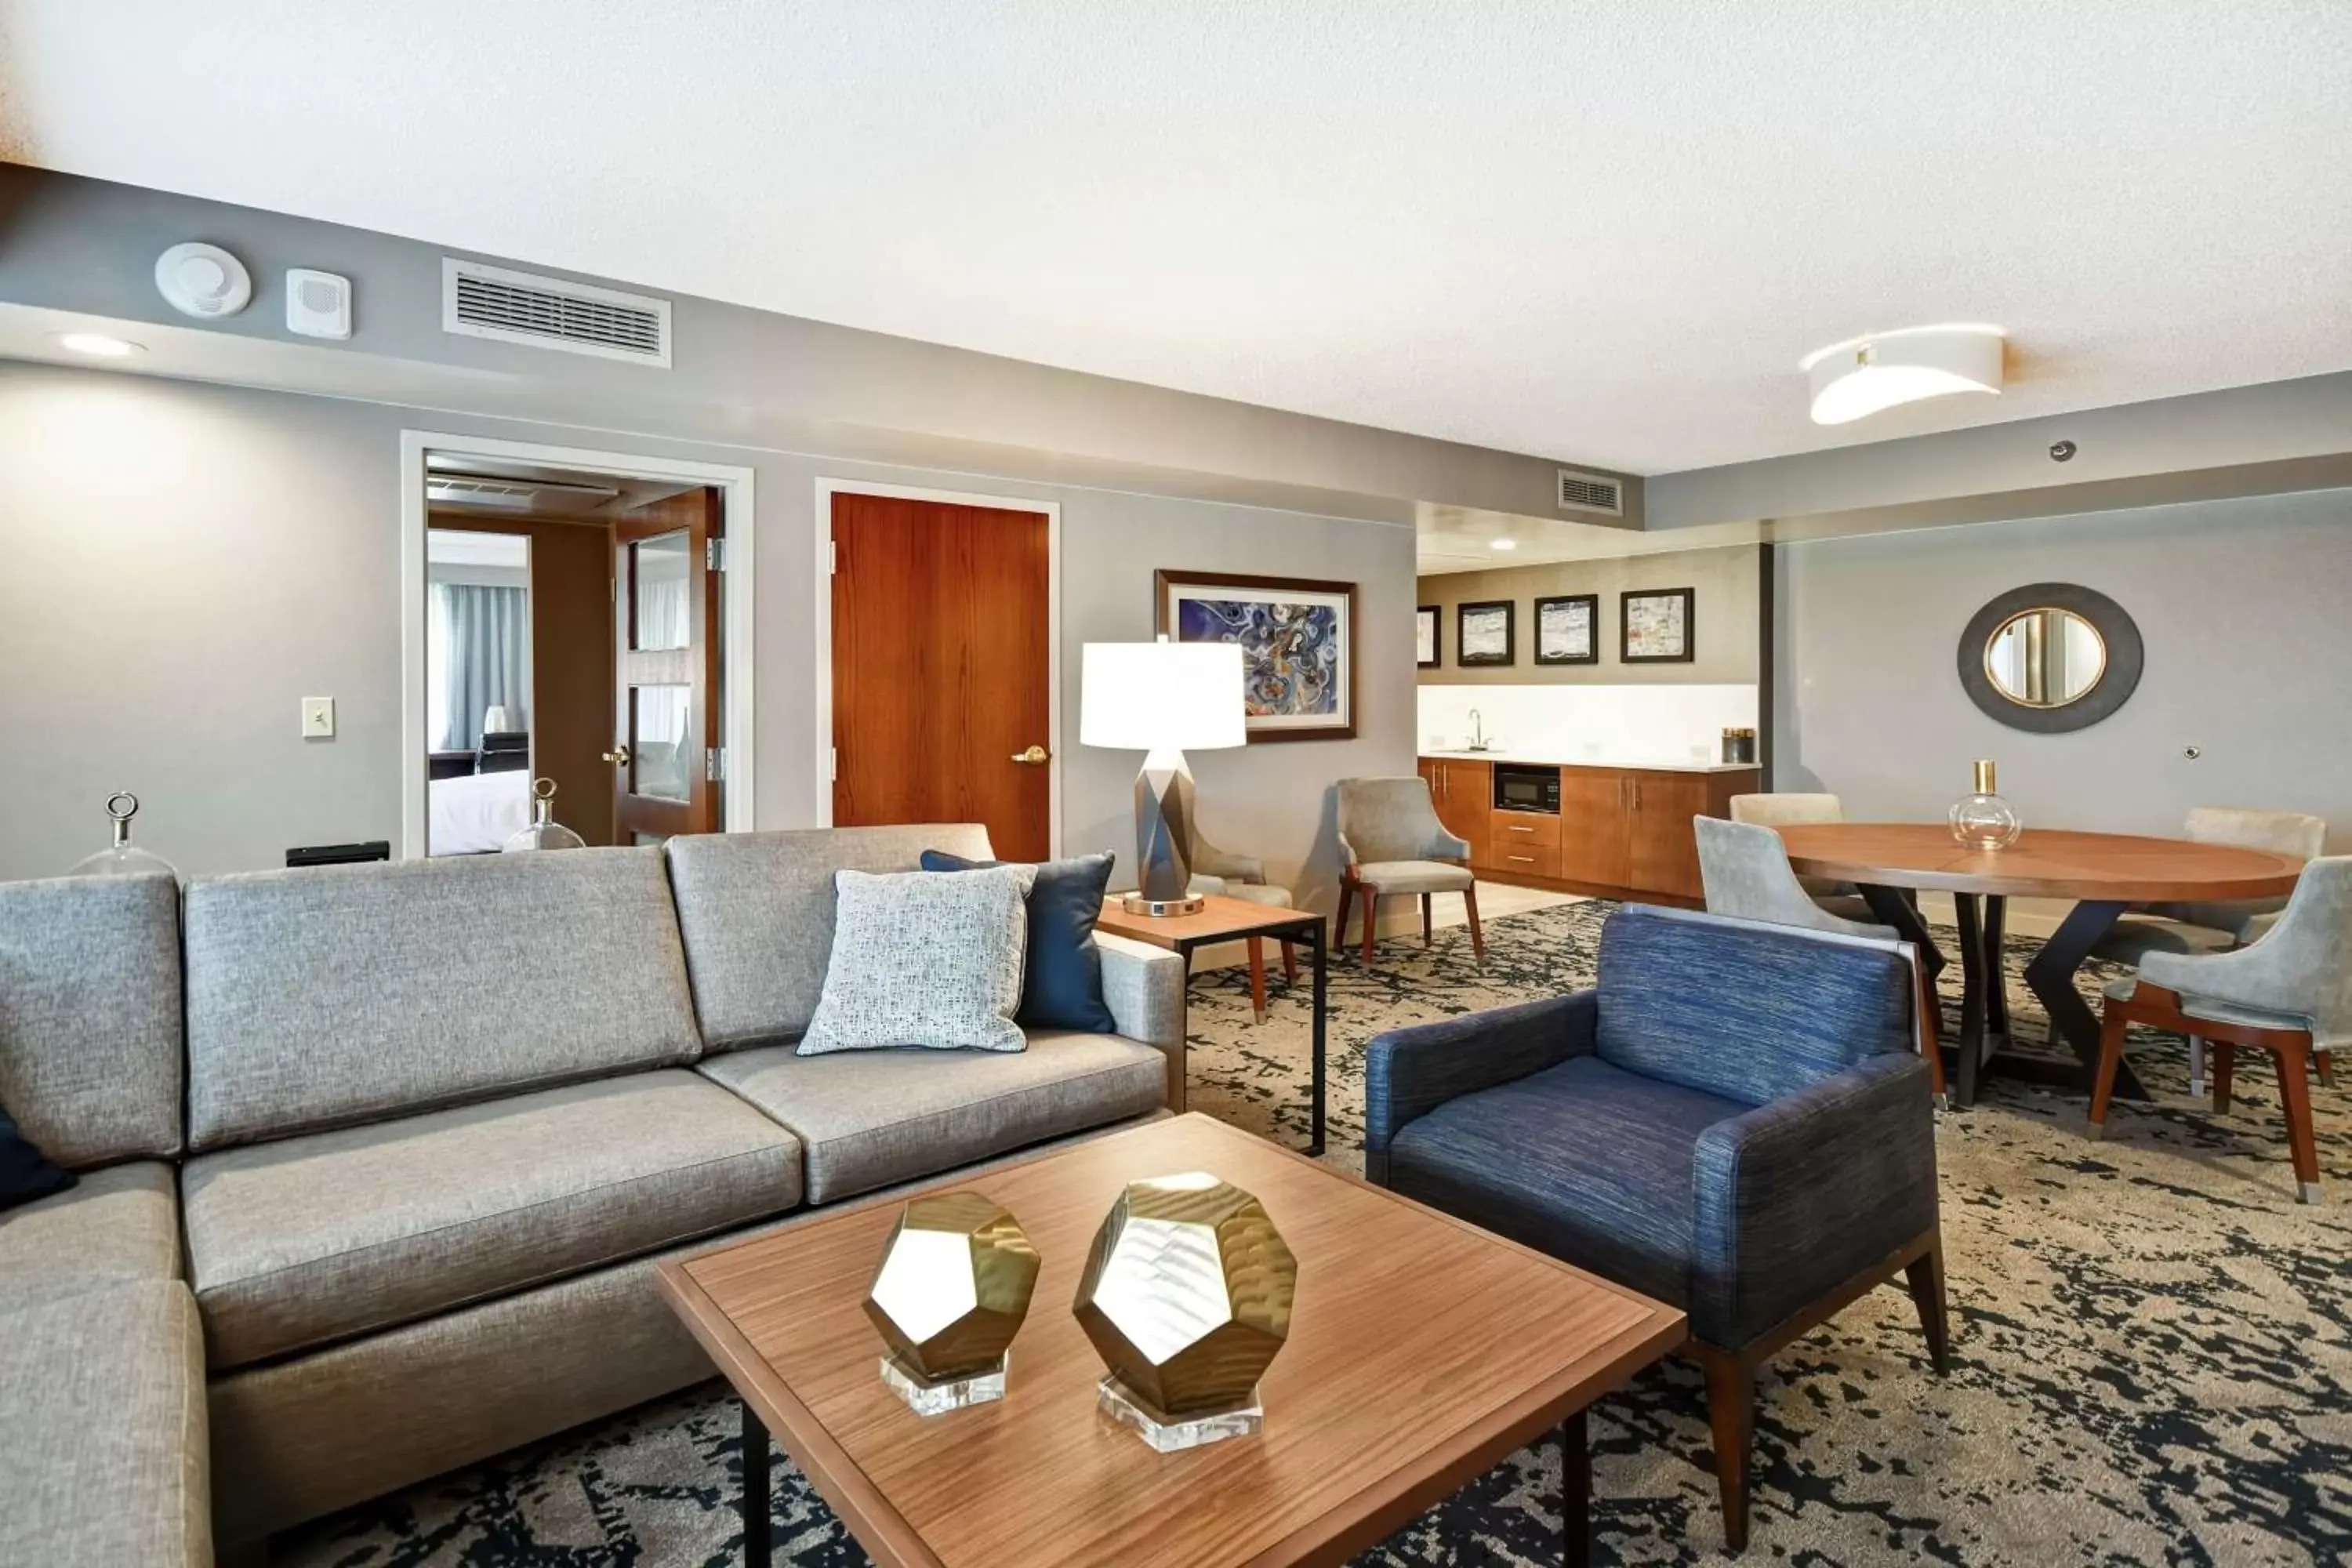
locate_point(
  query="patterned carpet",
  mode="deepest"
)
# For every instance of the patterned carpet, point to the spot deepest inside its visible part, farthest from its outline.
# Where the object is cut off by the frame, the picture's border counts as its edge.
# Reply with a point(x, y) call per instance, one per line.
point(2153, 1355)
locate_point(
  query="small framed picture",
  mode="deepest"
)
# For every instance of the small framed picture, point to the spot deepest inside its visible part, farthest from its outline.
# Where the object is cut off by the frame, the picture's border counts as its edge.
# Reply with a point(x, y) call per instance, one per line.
point(1482, 632)
point(1424, 636)
point(1568, 629)
point(1657, 628)
point(1298, 639)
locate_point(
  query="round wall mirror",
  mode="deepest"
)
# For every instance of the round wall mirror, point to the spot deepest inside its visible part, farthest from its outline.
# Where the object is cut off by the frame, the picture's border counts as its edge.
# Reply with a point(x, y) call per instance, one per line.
point(2049, 657)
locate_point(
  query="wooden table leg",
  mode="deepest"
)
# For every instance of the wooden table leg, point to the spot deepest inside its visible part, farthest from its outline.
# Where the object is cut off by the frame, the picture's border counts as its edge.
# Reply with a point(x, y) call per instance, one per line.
point(755, 1490)
point(1322, 944)
point(1576, 1493)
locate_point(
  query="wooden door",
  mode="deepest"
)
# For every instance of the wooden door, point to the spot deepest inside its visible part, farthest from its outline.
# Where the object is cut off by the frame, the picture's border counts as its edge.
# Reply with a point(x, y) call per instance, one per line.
point(1462, 793)
point(1663, 846)
point(1595, 810)
point(667, 768)
point(941, 670)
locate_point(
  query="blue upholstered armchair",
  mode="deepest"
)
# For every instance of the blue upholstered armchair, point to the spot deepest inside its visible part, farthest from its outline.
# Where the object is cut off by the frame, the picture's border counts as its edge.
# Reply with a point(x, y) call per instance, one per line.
point(1736, 1120)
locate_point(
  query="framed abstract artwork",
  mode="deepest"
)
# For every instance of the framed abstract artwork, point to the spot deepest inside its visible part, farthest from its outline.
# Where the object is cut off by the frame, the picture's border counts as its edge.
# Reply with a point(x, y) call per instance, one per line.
point(1482, 633)
point(1656, 626)
point(1568, 629)
point(1426, 636)
point(1298, 645)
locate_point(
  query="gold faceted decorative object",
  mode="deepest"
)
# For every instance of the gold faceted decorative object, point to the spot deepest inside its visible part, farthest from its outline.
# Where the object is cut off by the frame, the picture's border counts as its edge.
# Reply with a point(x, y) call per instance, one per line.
point(1187, 1296)
point(951, 1291)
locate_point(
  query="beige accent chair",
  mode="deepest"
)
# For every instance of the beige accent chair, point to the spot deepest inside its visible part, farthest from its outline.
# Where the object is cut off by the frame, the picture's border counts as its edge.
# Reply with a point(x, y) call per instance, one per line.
point(1219, 873)
point(2289, 993)
point(2187, 929)
point(1744, 867)
point(1391, 842)
point(1786, 808)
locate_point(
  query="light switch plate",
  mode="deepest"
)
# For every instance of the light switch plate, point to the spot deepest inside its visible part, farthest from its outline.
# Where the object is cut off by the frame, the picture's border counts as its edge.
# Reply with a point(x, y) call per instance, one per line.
point(318, 718)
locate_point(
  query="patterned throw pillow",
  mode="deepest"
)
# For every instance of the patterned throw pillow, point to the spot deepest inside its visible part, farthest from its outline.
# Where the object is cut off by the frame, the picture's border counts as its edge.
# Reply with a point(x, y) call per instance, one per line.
point(924, 959)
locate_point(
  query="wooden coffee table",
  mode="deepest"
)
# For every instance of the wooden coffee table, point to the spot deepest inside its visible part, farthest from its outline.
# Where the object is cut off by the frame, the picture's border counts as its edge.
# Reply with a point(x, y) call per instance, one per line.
point(1421, 1351)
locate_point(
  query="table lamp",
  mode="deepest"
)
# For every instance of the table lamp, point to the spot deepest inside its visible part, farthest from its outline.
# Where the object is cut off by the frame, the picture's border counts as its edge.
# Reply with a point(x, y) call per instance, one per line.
point(1161, 698)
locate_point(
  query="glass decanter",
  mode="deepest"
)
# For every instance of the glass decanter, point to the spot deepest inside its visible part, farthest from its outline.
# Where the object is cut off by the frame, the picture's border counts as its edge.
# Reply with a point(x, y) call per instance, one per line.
point(545, 832)
point(1981, 819)
point(123, 858)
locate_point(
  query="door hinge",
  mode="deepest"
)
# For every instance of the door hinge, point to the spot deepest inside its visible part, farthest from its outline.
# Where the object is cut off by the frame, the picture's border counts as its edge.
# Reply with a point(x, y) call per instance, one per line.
point(833, 764)
point(714, 554)
point(714, 763)
point(832, 556)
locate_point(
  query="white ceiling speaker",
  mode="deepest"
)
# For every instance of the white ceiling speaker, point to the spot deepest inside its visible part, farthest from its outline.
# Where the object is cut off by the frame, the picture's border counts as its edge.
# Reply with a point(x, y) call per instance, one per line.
point(317, 304)
point(202, 280)
point(1862, 376)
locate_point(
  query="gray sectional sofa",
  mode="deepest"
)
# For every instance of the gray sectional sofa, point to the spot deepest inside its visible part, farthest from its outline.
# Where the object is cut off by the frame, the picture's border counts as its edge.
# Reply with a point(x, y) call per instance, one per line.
point(376, 1161)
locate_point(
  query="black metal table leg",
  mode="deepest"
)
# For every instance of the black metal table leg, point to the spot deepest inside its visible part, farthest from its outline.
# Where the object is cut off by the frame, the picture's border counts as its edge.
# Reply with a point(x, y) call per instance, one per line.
point(1315, 1138)
point(1576, 1493)
point(1996, 916)
point(1970, 1046)
point(2051, 977)
point(1894, 907)
point(755, 1489)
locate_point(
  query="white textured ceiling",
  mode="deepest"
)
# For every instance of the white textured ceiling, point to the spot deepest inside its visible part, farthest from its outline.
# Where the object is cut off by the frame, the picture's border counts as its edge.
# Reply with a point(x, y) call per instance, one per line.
point(1602, 232)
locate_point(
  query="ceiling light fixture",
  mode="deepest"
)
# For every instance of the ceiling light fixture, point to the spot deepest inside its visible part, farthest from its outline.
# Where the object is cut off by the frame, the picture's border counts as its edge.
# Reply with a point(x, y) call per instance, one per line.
point(1862, 376)
point(97, 344)
point(1502, 545)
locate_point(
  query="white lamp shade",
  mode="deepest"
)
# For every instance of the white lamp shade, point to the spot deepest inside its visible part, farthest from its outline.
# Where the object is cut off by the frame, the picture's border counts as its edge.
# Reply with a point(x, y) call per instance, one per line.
point(1858, 378)
point(1149, 696)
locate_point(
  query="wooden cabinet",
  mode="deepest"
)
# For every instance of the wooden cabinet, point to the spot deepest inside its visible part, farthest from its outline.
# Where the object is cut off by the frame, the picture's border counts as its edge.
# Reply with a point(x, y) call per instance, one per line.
point(1594, 808)
point(1463, 794)
point(1661, 847)
point(1525, 843)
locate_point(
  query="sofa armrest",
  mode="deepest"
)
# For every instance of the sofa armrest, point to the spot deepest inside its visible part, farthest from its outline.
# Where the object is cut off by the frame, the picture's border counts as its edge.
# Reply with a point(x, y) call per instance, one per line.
point(1144, 987)
point(1795, 1197)
point(1411, 1072)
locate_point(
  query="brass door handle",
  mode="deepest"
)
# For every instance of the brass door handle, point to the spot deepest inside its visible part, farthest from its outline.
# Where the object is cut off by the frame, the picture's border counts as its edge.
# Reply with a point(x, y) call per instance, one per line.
point(1035, 757)
point(619, 755)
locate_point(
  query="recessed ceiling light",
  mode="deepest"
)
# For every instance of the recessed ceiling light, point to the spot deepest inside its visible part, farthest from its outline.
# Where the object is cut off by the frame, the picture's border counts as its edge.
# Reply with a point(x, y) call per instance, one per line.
point(98, 345)
point(1862, 376)
point(1502, 545)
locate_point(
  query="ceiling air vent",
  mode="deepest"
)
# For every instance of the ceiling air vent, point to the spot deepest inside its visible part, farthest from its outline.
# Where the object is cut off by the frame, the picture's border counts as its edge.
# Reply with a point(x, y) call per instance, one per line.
point(481, 301)
point(1590, 492)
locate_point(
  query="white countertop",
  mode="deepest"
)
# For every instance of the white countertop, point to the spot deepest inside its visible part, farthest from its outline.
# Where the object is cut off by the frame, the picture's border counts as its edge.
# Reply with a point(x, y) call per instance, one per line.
point(1647, 767)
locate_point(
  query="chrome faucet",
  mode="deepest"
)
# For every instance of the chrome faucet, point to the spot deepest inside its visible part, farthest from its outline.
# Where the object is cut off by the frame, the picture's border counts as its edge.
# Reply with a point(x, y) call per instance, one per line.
point(1477, 732)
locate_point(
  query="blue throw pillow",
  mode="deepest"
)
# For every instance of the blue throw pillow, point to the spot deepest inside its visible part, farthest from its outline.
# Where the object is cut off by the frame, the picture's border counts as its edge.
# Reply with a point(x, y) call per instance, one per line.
point(26, 1172)
point(1061, 987)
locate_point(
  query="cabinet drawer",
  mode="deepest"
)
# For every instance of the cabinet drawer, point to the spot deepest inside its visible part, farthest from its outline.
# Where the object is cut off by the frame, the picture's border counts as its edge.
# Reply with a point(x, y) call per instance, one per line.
point(1518, 829)
point(1510, 857)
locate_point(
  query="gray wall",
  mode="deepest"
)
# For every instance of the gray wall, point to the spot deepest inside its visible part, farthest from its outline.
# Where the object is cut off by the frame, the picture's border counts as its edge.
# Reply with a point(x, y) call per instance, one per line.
point(1725, 613)
point(2246, 610)
point(185, 562)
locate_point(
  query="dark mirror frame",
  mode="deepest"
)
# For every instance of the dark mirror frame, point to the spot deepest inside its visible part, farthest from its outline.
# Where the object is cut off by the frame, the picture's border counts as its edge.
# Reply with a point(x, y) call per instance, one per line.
point(2126, 655)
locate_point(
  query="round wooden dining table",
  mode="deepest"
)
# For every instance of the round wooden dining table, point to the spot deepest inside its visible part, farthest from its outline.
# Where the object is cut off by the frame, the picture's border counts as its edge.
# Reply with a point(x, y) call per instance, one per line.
point(2104, 874)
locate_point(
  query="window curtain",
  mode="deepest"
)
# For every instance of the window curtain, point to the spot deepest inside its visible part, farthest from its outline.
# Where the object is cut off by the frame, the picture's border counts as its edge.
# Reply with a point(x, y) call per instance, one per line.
point(663, 621)
point(487, 636)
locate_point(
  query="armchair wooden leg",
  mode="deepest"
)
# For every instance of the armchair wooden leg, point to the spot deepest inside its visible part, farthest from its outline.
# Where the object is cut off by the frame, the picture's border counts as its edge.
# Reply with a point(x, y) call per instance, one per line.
point(1931, 1028)
point(1372, 917)
point(1731, 1411)
point(2111, 1059)
point(1477, 934)
point(2195, 1066)
point(1290, 962)
point(1340, 926)
point(1926, 1275)
point(1425, 922)
point(2327, 1065)
point(1258, 976)
point(2293, 1060)
point(2225, 1063)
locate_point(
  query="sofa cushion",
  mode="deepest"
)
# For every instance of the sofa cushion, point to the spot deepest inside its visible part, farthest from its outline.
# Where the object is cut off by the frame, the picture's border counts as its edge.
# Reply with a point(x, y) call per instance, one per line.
point(315, 1238)
point(121, 1223)
point(756, 910)
point(1747, 1011)
point(102, 1401)
point(89, 1015)
point(1584, 1161)
point(1061, 970)
point(343, 993)
point(868, 1119)
point(927, 961)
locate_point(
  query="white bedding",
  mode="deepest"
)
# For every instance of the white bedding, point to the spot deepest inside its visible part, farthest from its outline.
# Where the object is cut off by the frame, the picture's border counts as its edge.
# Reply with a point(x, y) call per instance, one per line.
point(477, 812)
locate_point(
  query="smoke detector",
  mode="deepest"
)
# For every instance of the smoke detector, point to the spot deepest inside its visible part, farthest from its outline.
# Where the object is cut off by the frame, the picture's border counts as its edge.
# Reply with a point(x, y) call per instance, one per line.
point(202, 280)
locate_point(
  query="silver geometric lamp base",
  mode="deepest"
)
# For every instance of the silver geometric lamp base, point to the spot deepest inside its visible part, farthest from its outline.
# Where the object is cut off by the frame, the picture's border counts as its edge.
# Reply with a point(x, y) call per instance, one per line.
point(1163, 837)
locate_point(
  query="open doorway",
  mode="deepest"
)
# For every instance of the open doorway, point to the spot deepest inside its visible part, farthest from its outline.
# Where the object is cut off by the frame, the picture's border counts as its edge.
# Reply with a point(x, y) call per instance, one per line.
point(570, 621)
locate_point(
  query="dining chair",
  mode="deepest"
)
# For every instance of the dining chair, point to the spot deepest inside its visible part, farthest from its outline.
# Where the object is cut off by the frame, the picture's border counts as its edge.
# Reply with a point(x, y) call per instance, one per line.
point(1391, 841)
point(1785, 808)
point(2194, 928)
point(1220, 873)
point(1744, 870)
point(2289, 993)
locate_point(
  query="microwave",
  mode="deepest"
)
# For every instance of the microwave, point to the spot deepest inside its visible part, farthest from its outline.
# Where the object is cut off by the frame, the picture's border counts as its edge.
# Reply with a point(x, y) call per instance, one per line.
point(1527, 789)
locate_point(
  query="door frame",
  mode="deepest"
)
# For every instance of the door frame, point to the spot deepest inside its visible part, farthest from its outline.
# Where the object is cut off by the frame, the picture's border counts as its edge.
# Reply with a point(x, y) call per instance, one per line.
point(827, 489)
point(738, 511)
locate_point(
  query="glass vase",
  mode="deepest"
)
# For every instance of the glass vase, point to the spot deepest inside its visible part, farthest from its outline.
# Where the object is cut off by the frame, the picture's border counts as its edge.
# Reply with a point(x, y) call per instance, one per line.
point(123, 858)
point(1981, 819)
point(545, 832)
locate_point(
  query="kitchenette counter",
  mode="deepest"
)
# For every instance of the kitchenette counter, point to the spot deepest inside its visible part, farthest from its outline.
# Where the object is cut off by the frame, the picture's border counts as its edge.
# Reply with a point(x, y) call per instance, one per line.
point(1521, 759)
